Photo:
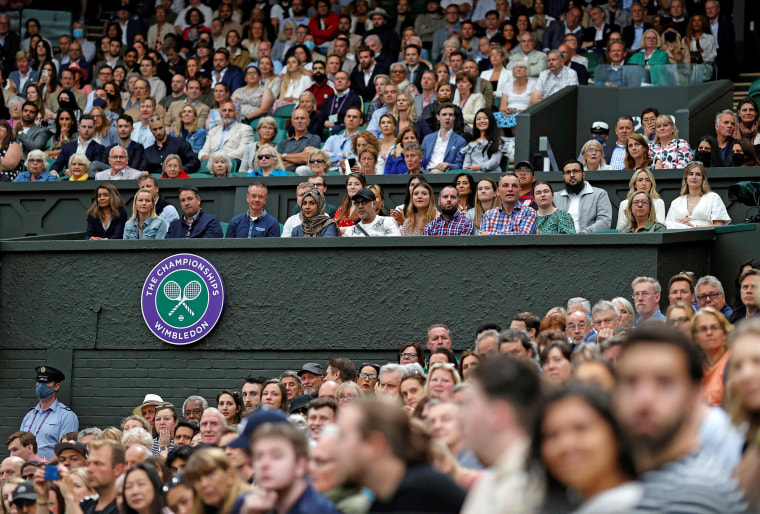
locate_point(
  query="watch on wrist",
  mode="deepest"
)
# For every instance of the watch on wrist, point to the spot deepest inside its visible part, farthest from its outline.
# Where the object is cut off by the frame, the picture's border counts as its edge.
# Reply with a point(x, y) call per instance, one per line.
point(162, 448)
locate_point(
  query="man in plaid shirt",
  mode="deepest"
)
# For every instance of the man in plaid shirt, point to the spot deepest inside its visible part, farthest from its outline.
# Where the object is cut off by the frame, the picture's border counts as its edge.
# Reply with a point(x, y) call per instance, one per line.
point(511, 217)
point(450, 222)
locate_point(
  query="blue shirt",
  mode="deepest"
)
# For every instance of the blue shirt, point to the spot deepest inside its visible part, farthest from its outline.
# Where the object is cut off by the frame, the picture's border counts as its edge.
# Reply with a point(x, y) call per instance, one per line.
point(244, 226)
point(260, 173)
point(374, 123)
point(338, 147)
point(49, 425)
point(657, 315)
point(142, 135)
point(26, 176)
point(458, 225)
point(154, 228)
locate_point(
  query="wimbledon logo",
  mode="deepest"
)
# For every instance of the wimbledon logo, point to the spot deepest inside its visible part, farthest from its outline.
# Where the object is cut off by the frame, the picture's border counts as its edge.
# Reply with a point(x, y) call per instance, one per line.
point(183, 299)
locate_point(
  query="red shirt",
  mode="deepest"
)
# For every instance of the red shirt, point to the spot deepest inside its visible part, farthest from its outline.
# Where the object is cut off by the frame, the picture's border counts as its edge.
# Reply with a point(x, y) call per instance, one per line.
point(330, 31)
point(321, 93)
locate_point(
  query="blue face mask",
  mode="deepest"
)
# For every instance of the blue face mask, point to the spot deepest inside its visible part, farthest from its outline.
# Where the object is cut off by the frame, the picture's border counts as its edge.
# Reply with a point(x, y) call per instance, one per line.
point(309, 45)
point(78, 33)
point(43, 391)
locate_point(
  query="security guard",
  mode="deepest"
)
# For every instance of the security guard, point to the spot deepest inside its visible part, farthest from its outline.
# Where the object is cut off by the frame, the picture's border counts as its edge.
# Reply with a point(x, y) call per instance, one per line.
point(49, 420)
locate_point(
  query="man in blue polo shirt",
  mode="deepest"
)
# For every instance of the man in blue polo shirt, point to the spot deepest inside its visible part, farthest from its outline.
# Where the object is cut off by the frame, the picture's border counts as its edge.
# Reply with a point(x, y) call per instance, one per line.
point(255, 222)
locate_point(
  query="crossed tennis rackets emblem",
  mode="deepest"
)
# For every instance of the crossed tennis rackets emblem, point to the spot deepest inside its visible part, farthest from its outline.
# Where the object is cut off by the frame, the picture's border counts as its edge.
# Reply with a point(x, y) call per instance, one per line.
point(176, 294)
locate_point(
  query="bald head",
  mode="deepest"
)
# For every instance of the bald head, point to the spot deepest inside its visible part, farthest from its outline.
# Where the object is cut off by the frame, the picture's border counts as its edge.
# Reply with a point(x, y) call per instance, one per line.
point(328, 389)
point(11, 467)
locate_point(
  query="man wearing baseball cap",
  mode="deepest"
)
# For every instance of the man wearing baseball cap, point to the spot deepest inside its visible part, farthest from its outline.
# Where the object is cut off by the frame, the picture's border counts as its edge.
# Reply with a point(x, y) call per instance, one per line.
point(71, 454)
point(371, 224)
point(49, 420)
point(312, 375)
point(524, 170)
point(25, 498)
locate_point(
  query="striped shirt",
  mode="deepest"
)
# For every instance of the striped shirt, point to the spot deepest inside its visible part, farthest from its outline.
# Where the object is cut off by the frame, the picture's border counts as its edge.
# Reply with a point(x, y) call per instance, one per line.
point(458, 225)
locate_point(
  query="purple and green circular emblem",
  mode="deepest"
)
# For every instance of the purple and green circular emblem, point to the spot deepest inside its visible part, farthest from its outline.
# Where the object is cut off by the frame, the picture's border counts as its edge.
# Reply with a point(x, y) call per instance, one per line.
point(183, 299)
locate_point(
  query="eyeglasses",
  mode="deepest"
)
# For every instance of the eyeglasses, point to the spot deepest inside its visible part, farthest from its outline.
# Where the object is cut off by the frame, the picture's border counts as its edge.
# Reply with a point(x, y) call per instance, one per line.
point(118, 157)
point(409, 355)
point(710, 328)
point(317, 161)
point(265, 156)
point(640, 202)
point(644, 294)
point(368, 375)
point(704, 297)
point(674, 321)
point(35, 160)
point(194, 412)
point(361, 202)
point(593, 150)
point(523, 171)
point(580, 326)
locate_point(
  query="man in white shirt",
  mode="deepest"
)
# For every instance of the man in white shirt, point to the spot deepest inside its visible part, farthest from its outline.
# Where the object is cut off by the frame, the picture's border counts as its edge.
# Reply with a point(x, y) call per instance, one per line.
point(338, 146)
point(119, 170)
point(557, 77)
point(141, 129)
point(371, 225)
point(442, 148)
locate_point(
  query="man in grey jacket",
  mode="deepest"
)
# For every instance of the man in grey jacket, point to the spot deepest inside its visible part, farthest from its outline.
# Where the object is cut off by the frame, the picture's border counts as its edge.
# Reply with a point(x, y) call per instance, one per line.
point(589, 206)
point(30, 136)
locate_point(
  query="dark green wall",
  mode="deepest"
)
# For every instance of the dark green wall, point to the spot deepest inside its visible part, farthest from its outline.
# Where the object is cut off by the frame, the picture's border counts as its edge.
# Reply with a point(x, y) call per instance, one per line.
point(59, 207)
point(78, 304)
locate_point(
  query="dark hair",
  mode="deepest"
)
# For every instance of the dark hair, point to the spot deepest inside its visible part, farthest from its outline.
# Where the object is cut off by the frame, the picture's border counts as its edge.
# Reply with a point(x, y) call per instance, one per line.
point(530, 319)
point(189, 188)
point(238, 402)
point(32, 104)
point(562, 346)
point(653, 110)
point(345, 366)
point(515, 382)
point(487, 326)
point(448, 353)
point(651, 334)
point(407, 442)
point(417, 348)
point(407, 194)
point(572, 161)
point(599, 401)
point(58, 494)
point(285, 403)
point(471, 196)
point(754, 263)
point(492, 132)
point(158, 498)
point(514, 40)
point(200, 14)
point(58, 124)
point(749, 151)
point(118, 30)
point(255, 380)
point(318, 403)
point(180, 452)
point(194, 428)
point(748, 100)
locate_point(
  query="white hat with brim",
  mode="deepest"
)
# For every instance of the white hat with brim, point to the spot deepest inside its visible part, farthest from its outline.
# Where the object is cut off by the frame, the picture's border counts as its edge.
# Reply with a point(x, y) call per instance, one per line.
point(149, 400)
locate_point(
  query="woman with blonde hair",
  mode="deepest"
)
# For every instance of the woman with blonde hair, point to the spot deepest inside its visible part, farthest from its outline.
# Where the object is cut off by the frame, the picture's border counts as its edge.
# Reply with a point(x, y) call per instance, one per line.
point(679, 316)
point(81, 484)
point(267, 163)
point(172, 167)
point(145, 223)
point(406, 115)
point(266, 132)
point(642, 180)
point(709, 330)
point(104, 134)
point(228, 485)
point(592, 156)
point(348, 392)
point(270, 79)
point(257, 34)
point(295, 80)
point(442, 378)
point(285, 39)
point(650, 53)
point(111, 433)
point(319, 161)
point(667, 150)
point(187, 128)
point(626, 314)
point(698, 205)
point(79, 165)
point(420, 211)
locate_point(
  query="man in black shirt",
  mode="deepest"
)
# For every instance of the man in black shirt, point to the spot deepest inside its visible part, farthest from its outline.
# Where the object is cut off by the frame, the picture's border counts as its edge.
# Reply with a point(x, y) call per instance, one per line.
point(105, 462)
point(402, 481)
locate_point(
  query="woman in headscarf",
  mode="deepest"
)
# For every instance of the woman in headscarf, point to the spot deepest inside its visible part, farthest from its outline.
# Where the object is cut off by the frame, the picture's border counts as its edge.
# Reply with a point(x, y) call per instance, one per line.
point(315, 222)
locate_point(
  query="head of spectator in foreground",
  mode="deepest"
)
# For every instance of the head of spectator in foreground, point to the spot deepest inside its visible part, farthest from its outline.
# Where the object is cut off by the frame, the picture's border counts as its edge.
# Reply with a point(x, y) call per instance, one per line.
point(487, 344)
point(23, 445)
point(105, 463)
point(501, 410)
point(555, 361)
point(142, 490)
point(659, 383)
point(741, 393)
point(441, 380)
point(214, 479)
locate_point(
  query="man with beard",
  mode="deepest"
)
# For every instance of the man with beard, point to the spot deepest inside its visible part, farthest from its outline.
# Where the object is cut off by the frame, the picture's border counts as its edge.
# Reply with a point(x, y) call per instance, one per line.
point(312, 376)
point(363, 76)
point(371, 224)
point(511, 217)
point(230, 137)
point(388, 37)
point(589, 206)
point(321, 89)
point(252, 392)
point(451, 222)
point(656, 397)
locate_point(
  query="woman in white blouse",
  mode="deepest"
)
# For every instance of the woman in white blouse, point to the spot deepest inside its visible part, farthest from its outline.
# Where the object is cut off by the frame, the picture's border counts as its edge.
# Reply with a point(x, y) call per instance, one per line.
point(592, 156)
point(469, 102)
point(499, 76)
point(697, 206)
point(642, 180)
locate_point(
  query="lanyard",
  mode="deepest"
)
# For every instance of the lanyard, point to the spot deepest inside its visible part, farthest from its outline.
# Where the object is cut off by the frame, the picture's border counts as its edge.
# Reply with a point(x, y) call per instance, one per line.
point(41, 422)
point(332, 108)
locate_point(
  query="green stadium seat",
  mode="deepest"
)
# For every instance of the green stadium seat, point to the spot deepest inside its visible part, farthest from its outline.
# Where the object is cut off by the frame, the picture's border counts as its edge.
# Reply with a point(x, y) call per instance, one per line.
point(254, 124)
point(593, 60)
point(224, 228)
point(200, 175)
point(204, 167)
point(496, 101)
point(754, 90)
point(286, 111)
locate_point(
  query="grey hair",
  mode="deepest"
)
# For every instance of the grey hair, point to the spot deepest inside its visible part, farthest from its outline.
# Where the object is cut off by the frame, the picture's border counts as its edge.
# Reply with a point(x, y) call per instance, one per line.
point(723, 113)
point(604, 305)
point(214, 410)
point(39, 154)
point(515, 334)
point(195, 398)
point(16, 101)
point(290, 373)
point(409, 370)
point(709, 280)
point(89, 431)
point(561, 55)
point(220, 155)
point(373, 37)
point(581, 300)
point(398, 65)
point(143, 448)
point(414, 147)
point(483, 335)
point(655, 284)
point(625, 302)
point(391, 368)
point(114, 147)
point(138, 434)
point(462, 386)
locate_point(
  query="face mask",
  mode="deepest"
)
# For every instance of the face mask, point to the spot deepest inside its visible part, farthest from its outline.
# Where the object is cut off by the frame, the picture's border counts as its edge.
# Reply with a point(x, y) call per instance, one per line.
point(737, 159)
point(318, 77)
point(670, 37)
point(309, 45)
point(78, 33)
point(703, 156)
point(43, 391)
point(98, 102)
point(599, 138)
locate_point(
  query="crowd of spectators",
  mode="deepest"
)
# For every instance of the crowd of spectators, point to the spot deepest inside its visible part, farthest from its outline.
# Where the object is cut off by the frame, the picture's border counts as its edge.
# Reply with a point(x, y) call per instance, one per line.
point(615, 407)
point(200, 86)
